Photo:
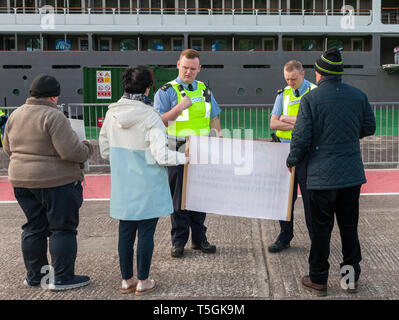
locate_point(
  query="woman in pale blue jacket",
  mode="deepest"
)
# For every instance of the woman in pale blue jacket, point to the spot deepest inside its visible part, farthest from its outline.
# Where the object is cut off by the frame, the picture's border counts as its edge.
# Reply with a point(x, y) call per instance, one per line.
point(133, 138)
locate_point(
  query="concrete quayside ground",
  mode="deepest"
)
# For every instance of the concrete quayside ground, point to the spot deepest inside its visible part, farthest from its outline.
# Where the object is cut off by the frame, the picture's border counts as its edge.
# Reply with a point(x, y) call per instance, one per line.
point(242, 268)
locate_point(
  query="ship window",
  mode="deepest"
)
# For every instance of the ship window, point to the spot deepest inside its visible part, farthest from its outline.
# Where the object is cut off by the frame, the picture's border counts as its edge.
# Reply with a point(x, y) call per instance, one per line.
point(268, 44)
point(197, 44)
point(296, 6)
point(104, 44)
point(212, 66)
point(67, 66)
point(155, 44)
point(169, 4)
point(308, 4)
point(32, 44)
point(258, 90)
point(288, 44)
point(166, 66)
point(16, 92)
point(9, 43)
point(83, 44)
point(260, 4)
point(128, 44)
point(357, 44)
point(241, 91)
point(17, 66)
point(217, 4)
point(155, 4)
point(256, 66)
point(204, 4)
point(309, 45)
point(80, 91)
point(177, 44)
point(246, 45)
point(114, 65)
point(338, 4)
point(335, 43)
point(60, 45)
point(219, 45)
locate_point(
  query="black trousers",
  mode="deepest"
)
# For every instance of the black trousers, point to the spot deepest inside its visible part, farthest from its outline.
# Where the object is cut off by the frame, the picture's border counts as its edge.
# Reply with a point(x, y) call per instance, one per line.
point(287, 227)
point(145, 230)
point(183, 220)
point(53, 213)
point(345, 204)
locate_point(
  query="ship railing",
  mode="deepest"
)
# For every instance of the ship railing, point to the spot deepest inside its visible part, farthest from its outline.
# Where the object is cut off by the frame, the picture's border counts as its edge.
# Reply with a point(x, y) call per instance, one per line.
point(381, 149)
point(390, 15)
point(190, 11)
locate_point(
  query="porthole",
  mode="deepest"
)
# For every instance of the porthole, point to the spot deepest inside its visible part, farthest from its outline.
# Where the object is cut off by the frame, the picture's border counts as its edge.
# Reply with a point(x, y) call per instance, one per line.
point(80, 91)
point(259, 90)
point(16, 92)
point(241, 91)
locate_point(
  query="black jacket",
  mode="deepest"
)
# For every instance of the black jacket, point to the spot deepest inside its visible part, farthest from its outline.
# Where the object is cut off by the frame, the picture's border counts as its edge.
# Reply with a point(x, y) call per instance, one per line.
point(330, 123)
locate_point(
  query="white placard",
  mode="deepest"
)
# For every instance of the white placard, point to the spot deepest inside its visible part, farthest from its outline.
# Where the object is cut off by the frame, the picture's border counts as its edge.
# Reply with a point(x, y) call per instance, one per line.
point(104, 85)
point(79, 127)
point(237, 177)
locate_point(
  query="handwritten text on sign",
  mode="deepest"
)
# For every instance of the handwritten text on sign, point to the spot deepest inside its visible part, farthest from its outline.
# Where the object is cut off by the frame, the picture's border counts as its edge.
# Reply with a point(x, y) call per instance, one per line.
point(237, 177)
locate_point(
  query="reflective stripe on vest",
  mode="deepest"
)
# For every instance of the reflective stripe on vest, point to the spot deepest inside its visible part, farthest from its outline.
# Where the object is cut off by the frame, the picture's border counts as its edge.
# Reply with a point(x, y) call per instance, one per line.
point(1, 129)
point(291, 107)
point(194, 120)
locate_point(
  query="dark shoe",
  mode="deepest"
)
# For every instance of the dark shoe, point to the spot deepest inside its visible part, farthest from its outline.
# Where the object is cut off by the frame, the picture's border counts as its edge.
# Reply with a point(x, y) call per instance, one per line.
point(72, 283)
point(31, 284)
point(205, 247)
point(177, 252)
point(320, 289)
point(278, 246)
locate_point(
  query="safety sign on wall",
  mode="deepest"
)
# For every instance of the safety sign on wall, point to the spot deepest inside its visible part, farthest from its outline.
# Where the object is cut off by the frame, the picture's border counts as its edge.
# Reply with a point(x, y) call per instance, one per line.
point(104, 85)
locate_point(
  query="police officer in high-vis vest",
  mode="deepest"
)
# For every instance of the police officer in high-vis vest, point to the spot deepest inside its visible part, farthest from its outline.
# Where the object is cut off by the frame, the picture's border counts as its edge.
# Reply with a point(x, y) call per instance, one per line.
point(3, 120)
point(283, 120)
point(187, 107)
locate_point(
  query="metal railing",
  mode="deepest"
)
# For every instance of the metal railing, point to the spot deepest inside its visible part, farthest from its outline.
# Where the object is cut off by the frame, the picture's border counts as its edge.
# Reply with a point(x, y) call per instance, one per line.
point(181, 11)
point(379, 149)
point(189, 16)
point(390, 15)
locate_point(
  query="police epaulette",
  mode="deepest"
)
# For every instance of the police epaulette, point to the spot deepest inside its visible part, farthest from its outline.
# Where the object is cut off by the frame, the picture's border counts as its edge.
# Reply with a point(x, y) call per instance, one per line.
point(166, 86)
point(279, 91)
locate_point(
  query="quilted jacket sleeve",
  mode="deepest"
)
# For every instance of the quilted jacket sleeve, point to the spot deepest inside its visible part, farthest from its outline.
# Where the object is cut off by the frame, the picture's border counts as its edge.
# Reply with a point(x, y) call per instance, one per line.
point(369, 125)
point(301, 134)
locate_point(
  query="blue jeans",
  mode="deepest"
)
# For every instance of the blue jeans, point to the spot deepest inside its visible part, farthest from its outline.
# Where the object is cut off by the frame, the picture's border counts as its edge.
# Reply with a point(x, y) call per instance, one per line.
point(145, 246)
point(54, 213)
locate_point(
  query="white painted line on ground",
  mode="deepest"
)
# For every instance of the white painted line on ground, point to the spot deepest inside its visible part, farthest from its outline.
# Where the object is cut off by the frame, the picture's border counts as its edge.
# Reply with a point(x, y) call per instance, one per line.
point(299, 196)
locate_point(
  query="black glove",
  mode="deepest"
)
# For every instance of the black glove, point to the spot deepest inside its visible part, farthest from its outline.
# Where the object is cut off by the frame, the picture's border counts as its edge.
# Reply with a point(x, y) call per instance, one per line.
point(3, 120)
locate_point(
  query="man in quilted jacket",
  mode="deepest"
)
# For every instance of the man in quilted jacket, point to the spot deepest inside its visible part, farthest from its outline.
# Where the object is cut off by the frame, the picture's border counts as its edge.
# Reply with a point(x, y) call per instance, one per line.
point(330, 123)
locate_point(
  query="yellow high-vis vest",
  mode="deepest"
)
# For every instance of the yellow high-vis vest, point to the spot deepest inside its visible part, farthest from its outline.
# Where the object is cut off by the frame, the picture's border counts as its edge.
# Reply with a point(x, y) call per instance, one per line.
point(196, 119)
point(291, 107)
point(1, 130)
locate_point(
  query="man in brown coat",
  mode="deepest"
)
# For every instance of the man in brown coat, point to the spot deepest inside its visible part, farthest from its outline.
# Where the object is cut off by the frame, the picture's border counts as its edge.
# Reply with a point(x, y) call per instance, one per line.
point(46, 161)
